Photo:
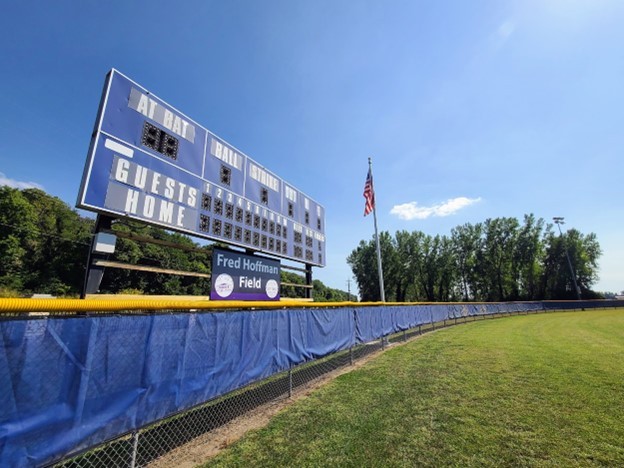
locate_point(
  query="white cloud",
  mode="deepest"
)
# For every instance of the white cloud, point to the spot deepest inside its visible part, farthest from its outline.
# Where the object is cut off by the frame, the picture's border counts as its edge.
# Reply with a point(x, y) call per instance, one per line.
point(4, 180)
point(411, 210)
point(506, 29)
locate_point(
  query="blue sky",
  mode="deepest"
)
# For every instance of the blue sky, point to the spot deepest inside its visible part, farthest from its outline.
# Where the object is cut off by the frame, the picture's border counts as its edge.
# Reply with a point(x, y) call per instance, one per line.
point(470, 110)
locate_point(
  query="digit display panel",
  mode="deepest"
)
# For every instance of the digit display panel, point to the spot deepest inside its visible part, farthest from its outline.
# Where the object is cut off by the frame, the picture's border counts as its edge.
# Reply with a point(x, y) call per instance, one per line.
point(150, 162)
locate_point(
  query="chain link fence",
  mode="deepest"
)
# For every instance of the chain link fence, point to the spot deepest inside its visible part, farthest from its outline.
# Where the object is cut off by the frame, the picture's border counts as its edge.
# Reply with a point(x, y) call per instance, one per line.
point(147, 445)
point(152, 444)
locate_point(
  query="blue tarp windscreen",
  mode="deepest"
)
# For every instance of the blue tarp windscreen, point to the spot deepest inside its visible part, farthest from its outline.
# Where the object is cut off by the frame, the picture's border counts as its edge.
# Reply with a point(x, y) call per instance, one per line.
point(68, 384)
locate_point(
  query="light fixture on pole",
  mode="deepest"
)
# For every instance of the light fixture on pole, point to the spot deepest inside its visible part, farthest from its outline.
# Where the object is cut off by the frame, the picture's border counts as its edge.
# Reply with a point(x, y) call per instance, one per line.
point(559, 221)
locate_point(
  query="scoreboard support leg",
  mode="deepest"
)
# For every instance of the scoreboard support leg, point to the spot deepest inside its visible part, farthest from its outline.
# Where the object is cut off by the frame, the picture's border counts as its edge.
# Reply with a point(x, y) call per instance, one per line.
point(308, 277)
point(94, 273)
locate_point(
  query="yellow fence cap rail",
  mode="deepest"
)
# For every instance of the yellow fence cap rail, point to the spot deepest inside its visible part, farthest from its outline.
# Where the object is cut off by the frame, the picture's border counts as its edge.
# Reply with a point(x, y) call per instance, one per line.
point(16, 305)
point(113, 303)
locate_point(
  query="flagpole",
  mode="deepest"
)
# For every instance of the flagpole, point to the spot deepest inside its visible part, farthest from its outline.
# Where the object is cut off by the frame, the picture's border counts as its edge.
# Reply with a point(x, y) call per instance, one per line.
point(379, 268)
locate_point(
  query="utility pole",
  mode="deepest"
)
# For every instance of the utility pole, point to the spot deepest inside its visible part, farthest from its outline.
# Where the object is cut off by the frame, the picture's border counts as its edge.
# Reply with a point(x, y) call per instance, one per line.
point(559, 221)
point(349, 288)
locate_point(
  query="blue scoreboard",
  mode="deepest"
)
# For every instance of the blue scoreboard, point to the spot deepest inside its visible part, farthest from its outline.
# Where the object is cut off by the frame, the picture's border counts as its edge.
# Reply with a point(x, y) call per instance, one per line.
point(150, 162)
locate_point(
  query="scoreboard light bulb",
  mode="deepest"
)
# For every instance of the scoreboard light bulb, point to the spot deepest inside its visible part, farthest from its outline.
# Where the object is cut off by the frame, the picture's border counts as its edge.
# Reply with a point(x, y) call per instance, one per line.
point(159, 141)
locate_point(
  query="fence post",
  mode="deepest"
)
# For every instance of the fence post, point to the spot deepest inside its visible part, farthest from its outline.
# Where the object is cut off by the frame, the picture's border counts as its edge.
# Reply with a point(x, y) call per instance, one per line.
point(290, 386)
point(93, 274)
point(351, 355)
point(135, 446)
point(404, 335)
point(382, 341)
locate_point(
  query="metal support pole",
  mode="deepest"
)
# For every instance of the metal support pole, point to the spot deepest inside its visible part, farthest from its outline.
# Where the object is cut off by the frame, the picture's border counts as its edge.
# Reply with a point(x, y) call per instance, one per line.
point(576, 288)
point(135, 445)
point(290, 382)
point(351, 355)
point(94, 274)
point(308, 277)
point(404, 335)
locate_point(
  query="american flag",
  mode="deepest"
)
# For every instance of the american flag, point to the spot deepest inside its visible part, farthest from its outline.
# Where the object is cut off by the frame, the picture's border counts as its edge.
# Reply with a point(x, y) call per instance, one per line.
point(369, 194)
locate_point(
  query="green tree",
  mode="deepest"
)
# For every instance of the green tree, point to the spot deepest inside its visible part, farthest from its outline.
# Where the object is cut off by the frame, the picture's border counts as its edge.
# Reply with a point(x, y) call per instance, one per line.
point(495, 260)
point(447, 277)
point(288, 291)
point(435, 267)
point(187, 256)
point(498, 260)
point(18, 235)
point(584, 252)
point(528, 258)
point(407, 247)
point(58, 258)
point(322, 293)
point(363, 262)
point(43, 241)
point(465, 244)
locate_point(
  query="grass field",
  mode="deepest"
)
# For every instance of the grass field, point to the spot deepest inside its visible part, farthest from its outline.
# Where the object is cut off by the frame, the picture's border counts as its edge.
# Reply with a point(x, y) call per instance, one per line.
point(537, 390)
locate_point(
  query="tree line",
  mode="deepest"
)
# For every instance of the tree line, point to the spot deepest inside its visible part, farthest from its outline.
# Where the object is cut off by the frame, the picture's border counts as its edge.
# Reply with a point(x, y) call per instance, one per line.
point(501, 259)
point(44, 245)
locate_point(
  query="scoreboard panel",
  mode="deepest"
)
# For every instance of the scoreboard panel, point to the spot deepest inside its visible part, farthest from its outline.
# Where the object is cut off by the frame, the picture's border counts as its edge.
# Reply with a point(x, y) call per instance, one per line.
point(149, 162)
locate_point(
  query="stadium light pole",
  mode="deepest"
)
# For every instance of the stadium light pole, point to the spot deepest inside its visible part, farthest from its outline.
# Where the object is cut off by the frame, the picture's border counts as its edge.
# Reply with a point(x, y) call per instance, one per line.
point(559, 221)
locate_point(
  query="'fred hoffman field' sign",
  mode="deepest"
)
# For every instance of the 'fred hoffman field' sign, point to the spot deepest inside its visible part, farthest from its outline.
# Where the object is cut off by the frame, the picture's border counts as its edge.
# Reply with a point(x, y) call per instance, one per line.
point(237, 276)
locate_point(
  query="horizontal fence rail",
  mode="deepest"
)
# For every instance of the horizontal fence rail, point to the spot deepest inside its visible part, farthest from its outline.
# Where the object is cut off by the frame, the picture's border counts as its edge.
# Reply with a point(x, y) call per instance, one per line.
point(123, 385)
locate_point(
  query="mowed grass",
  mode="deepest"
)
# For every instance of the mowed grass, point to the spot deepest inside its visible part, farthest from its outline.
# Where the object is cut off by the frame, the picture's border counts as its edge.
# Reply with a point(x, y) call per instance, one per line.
point(537, 390)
